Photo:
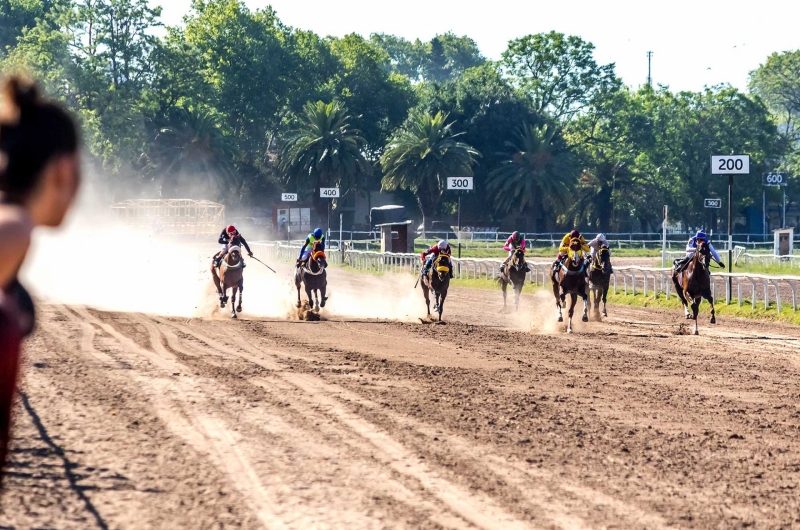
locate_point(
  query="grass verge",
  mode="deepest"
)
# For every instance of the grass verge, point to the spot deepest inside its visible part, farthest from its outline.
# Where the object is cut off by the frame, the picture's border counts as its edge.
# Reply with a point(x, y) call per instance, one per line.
point(746, 311)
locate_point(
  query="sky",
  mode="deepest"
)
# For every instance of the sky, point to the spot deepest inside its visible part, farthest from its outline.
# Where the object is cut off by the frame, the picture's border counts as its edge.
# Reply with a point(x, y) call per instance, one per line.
point(694, 43)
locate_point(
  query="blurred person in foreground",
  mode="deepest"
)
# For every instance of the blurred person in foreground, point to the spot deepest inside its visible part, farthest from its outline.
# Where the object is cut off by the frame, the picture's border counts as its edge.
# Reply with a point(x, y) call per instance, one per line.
point(39, 177)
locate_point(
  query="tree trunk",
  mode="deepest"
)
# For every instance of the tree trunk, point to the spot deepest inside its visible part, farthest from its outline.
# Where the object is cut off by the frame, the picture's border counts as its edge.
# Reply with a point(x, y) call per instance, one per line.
point(428, 196)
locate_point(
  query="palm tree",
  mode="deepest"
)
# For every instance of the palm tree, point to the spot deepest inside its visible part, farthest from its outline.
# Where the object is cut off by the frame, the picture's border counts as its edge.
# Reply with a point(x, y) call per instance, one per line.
point(534, 177)
point(324, 152)
point(420, 158)
point(195, 152)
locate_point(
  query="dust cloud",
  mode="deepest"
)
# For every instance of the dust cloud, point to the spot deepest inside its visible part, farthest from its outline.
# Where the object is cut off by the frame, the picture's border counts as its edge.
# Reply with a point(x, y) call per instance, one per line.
point(96, 262)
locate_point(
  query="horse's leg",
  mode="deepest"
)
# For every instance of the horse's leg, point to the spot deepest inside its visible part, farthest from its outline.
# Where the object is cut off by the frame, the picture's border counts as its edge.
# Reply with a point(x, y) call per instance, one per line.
point(518, 293)
point(241, 295)
point(215, 280)
point(582, 292)
point(504, 286)
point(695, 311)
point(322, 294)
point(441, 304)
point(297, 282)
point(436, 304)
point(309, 295)
point(558, 300)
point(234, 290)
point(426, 294)
point(605, 295)
point(573, 300)
point(713, 312)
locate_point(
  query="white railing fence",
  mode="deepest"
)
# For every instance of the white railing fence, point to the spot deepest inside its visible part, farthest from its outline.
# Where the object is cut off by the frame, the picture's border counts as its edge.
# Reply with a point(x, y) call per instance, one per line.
point(753, 289)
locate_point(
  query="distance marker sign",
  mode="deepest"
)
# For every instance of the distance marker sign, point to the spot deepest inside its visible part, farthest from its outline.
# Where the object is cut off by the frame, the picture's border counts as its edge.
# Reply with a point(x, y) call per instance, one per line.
point(730, 165)
point(775, 179)
point(329, 193)
point(459, 183)
point(289, 197)
point(712, 203)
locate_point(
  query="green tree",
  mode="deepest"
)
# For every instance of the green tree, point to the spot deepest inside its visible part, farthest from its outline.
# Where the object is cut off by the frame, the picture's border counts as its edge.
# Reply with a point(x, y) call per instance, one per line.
point(558, 72)
point(444, 58)
point(194, 157)
point(420, 158)
point(777, 82)
point(534, 178)
point(378, 99)
point(324, 151)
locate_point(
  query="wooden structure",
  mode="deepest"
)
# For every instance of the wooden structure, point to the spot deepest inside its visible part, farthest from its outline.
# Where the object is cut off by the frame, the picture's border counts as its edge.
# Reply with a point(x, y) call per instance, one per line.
point(784, 241)
point(394, 237)
point(171, 216)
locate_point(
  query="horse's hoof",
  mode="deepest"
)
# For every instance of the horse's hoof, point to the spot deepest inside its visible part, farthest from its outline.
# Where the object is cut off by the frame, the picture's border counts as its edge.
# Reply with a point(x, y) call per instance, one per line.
point(696, 332)
point(569, 331)
point(605, 314)
point(561, 319)
point(688, 317)
point(299, 304)
point(585, 318)
point(239, 309)
point(713, 320)
point(233, 315)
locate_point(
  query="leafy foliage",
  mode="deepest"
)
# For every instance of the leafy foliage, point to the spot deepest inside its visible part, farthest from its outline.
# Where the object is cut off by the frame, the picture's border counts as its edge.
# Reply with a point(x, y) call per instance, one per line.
point(422, 156)
point(324, 151)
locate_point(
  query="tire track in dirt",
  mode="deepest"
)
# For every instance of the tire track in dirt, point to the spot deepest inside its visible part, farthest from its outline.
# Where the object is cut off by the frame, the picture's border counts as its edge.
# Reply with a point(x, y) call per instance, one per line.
point(300, 439)
point(476, 509)
point(171, 399)
point(543, 498)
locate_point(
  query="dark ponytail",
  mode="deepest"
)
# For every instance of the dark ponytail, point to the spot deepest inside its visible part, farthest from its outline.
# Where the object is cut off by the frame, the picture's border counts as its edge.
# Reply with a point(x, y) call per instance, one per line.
point(32, 132)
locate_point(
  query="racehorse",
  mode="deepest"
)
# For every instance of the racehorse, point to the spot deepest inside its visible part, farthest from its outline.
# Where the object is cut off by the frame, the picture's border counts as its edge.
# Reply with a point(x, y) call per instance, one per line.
point(231, 276)
point(311, 273)
point(694, 283)
point(515, 275)
point(438, 281)
point(570, 279)
point(599, 278)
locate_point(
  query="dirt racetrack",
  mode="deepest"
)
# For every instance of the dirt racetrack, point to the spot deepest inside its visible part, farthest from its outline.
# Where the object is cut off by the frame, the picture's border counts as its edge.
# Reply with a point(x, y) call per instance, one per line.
point(126, 420)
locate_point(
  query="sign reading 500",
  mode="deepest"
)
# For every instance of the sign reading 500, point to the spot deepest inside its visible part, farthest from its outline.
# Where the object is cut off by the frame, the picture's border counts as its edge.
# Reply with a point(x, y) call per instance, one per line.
point(459, 183)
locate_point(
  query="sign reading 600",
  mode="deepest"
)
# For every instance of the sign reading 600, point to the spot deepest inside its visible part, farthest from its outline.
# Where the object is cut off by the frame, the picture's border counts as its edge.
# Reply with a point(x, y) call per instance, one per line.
point(775, 179)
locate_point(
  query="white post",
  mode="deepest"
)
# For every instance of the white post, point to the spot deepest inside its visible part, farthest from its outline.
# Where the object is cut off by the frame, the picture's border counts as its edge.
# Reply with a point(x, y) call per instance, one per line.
point(664, 239)
point(340, 231)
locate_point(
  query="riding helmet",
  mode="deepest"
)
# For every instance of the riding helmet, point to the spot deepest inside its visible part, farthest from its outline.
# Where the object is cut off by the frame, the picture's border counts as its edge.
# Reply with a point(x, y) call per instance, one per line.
point(231, 229)
point(701, 234)
point(574, 234)
point(442, 244)
point(317, 232)
point(515, 236)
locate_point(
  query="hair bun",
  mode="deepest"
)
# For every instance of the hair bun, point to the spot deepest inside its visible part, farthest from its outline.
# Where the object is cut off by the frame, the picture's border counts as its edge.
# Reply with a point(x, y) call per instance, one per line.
point(19, 96)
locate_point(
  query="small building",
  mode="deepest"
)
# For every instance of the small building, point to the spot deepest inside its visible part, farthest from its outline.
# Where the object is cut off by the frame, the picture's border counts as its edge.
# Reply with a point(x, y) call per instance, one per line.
point(394, 225)
point(784, 241)
point(394, 237)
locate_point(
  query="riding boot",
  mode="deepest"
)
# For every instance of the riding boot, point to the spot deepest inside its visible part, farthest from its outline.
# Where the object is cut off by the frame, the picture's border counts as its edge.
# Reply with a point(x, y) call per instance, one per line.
point(325, 263)
point(527, 269)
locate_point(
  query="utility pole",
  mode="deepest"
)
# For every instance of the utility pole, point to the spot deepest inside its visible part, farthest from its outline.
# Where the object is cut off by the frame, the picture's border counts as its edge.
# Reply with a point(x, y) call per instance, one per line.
point(649, 78)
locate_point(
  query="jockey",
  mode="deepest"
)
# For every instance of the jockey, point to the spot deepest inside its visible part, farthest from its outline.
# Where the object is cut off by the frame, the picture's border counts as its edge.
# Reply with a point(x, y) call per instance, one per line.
point(230, 237)
point(317, 236)
point(514, 242)
point(597, 243)
point(563, 250)
point(691, 249)
point(442, 247)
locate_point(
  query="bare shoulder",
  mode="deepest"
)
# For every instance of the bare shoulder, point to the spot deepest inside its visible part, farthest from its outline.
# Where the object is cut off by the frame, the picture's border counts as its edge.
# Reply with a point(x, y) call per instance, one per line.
point(15, 226)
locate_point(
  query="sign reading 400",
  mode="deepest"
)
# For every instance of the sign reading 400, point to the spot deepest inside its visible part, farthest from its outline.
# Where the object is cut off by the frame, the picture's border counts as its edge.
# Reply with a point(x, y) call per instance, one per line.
point(329, 193)
point(459, 183)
